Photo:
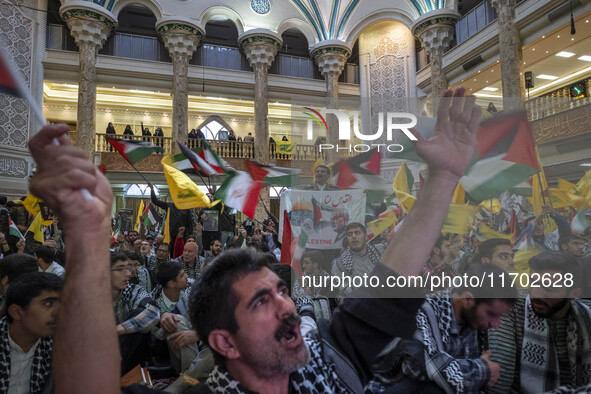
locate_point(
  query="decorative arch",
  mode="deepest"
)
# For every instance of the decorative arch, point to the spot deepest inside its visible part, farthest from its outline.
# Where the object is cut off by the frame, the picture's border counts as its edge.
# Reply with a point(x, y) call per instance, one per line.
point(301, 26)
point(149, 4)
point(212, 119)
point(405, 18)
point(229, 13)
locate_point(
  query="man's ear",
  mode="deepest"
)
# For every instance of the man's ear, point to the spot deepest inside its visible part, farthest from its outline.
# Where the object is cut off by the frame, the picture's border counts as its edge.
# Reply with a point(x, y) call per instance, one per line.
point(222, 342)
point(15, 311)
point(563, 246)
point(468, 300)
point(484, 260)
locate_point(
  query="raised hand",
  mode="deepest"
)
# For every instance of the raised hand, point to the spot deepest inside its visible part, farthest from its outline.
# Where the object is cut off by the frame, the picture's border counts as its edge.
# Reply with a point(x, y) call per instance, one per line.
point(62, 172)
point(450, 149)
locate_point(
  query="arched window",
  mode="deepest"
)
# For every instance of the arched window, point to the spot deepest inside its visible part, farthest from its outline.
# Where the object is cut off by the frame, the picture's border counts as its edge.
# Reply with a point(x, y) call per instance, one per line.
point(215, 128)
point(139, 190)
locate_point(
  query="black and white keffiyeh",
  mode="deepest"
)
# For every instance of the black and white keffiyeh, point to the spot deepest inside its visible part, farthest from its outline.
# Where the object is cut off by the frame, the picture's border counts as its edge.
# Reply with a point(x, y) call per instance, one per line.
point(316, 377)
point(41, 368)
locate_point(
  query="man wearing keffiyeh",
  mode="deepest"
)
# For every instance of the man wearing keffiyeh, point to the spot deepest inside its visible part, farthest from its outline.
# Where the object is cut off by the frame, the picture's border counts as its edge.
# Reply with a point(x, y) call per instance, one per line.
point(545, 341)
point(26, 344)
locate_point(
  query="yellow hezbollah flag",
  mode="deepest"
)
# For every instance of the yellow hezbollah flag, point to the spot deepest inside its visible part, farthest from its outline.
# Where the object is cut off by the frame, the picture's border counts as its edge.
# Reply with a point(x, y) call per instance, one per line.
point(36, 228)
point(140, 211)
point(488, 233)
point(459, 219)
point(402, 186)
point(386, 220)
point(459, 195)
point(166, 232)
point(184, 192)
point(580, 195)
point(493, 205)
point(31, 204)
point(565, 185)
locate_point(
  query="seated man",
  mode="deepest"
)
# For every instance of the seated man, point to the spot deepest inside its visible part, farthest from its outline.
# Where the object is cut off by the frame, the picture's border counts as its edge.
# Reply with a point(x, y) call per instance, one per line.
point(135, 314)
point(140, 275)
point(543, 343)
point(26, 333)
point(11, 267)
point(359, 259)
point(161, 257)
point(190, 260)
point(173, 281)
point(45, 256)
point(451, 330)
point(247, 317)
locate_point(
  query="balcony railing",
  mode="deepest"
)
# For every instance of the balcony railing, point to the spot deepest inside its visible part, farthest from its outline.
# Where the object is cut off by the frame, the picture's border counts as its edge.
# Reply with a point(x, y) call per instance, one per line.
point(225, 149)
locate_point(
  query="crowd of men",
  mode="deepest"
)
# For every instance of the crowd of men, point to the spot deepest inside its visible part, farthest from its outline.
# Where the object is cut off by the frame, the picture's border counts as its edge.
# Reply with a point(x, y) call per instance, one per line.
point(81, 310)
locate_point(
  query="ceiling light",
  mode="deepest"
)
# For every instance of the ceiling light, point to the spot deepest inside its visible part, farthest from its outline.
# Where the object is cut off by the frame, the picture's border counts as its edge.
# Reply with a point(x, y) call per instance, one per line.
point(546, 76)
point(558, 36)
point(585, 165)
point(565, 54)
point(586, 58)
point(543, 36)
point(489, 89)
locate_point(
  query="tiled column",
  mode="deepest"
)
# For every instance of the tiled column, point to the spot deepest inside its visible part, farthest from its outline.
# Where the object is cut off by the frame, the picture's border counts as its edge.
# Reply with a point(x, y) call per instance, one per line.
point(181, 39)
point(90, 27)
point(511, 56)
point(331, 58)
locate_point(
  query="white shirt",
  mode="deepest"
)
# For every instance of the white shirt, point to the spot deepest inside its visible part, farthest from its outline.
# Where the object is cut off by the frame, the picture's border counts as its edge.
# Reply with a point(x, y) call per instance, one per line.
point(20, 367)
point(55, 268)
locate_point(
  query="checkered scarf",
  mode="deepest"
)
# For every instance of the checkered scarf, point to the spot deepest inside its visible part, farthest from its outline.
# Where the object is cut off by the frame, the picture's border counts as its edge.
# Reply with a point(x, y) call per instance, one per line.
point(374, 252)
point(40, 369)
point(316, 377)
point(539, 363)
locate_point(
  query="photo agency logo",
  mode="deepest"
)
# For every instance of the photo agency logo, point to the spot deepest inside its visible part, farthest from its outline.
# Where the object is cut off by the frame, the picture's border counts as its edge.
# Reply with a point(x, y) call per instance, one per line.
point(394, 122)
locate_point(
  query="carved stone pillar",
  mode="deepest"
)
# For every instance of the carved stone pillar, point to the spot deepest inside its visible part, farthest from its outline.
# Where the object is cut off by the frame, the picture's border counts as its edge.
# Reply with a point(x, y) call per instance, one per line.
point(180, 39)
point(260, 48)
point(511, 56)
point(331, 58)
point(435, 30)
point(90, 28)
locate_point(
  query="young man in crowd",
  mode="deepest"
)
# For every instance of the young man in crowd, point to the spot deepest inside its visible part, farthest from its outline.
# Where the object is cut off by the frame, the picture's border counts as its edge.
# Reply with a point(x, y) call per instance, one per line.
point(247, 317)
point(572, 244)
point(135, 313)
point(452, 326)
point(11, 267)
point(545, 341)
point(311, 261)
point(438, 262)
point(359, 259)
point(26, 344)
point(182, 343)
point(496, 251)
point(161, 257)
point(45, 256)
point(140, 275)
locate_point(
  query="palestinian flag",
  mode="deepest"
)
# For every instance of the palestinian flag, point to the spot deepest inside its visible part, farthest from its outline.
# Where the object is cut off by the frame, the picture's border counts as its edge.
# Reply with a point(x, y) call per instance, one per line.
point(241, 191)
point(505, 156)
point(134, 151)
point(150, 215)
point(195, 160)
point(360, 172)
point(300, 247)
point(272, 176)
point(286, 247)
point(580, 222)
point(13, 230)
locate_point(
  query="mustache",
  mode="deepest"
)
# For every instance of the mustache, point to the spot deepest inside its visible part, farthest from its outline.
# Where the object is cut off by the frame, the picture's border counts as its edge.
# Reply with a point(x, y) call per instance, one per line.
point(287, 325)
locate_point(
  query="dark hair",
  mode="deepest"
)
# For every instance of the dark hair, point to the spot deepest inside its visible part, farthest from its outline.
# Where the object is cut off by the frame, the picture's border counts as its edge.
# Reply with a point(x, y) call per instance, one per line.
point(215, 240)
point(133, 231)
point(437, 244)
point(167, 272)
point(313, 255)
point(45, 253)
point(117, 256)
point(28, 286)
point(17, 264)
point(213, 300)
point(3, 200)
point(487, 248)
point(557, 261)
point(565, 239)
point(229, 243)
point(356, 225)
point(488, 290)
point(323, 166)
point(284, 272)
point(165, 244)
point(131, 255)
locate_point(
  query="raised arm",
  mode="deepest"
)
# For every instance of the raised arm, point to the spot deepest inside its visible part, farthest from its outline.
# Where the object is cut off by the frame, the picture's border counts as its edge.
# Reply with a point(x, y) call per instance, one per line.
point(447, 154)
point(86, 353)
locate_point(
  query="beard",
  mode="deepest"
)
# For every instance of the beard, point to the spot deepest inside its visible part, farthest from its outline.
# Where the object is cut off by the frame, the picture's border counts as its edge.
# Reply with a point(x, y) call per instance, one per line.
point(270, 359)
point(550, 309)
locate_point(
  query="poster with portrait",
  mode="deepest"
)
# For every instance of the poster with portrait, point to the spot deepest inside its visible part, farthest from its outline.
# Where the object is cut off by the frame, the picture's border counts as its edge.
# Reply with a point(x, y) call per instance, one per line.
point(210, 220)
point(323, 215)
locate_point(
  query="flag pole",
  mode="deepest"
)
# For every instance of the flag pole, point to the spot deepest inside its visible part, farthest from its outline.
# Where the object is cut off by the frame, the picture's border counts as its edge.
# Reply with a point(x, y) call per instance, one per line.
point(142, 175)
